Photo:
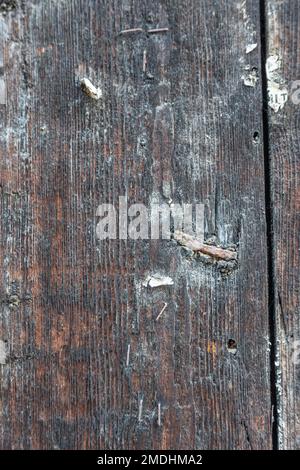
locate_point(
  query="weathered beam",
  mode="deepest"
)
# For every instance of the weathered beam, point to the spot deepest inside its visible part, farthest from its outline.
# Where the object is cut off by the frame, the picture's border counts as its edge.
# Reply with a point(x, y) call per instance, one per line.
point(283, 21)
point(88, 364)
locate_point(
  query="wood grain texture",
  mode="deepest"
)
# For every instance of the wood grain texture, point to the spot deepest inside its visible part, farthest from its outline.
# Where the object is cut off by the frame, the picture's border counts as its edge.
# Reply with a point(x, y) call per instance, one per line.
point(180, 126)
point(283, 21)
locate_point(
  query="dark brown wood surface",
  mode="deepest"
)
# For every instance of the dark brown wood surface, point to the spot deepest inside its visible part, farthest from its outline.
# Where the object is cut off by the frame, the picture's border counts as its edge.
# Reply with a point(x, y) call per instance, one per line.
point(283, 40)
point(183, 125)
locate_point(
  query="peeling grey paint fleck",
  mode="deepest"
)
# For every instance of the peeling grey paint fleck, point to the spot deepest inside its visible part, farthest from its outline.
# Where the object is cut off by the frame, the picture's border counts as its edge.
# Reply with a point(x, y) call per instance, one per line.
point(3, 352)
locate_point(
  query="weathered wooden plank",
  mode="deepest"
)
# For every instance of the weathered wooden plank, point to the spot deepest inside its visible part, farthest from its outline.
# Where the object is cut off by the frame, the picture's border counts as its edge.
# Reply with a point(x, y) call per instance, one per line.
point(176, 121)
point(283, 22)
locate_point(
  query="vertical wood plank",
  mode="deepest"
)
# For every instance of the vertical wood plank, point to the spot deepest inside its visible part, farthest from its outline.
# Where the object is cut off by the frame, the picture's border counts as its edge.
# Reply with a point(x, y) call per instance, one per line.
point(283, 20)
point(180, 125)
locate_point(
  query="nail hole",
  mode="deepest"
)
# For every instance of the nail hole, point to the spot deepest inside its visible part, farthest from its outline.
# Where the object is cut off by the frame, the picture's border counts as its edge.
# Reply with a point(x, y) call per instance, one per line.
point(256, 137)
point(150, 19)
point(232, 346)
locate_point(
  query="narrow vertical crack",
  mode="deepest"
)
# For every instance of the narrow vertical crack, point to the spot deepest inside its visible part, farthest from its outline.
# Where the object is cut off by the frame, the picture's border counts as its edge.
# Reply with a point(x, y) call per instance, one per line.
point(247, 434)
point(269, 223)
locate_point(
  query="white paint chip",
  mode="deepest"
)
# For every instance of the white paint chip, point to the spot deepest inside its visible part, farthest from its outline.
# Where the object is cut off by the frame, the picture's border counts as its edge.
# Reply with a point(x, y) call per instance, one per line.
point(277, 91)
point(128, 356)
point(162, 311)
point(89, 89)
point(273, 64)
point(3, 352)
point(2, 91)
point(159, 414)
point(156, 280)
point(251, 77)
point(277, 96)
point(140, 410)
point(232, 350)
point(251, 48)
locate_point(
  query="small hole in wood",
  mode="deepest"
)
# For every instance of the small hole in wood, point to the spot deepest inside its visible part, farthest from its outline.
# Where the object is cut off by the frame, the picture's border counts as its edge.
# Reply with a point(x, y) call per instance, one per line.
point(256, 137)
point(150, 18)
point(232, 346)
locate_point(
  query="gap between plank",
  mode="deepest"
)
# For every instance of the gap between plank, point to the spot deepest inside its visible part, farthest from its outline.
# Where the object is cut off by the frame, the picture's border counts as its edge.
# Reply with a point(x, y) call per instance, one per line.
point(269, 223)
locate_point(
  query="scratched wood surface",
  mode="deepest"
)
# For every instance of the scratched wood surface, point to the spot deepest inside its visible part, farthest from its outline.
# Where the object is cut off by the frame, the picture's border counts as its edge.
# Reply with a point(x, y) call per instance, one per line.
point(283, 20)
point(176, 121)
